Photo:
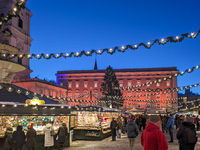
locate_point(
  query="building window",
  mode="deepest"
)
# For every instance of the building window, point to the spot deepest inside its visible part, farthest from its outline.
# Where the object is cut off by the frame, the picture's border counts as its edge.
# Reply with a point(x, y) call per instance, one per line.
point(157, 96)
point(61, 83)
point(168, 95)
point(41, 91)
point(148, 106)
point(77, 84)
point(158, 105)
point(70, 94)
point(148, 81)
point(19, 60)
point(129, 93)
point(129, 83)
point(138, 106)
point(148, 95)
point(138, 94)
point(157, 84)
point(85, 84)
point(138, 82)
point(95, 84)
point(168, 83)
point(20, 23)
point(70, 85)
point(49, 92)
point(121, 83)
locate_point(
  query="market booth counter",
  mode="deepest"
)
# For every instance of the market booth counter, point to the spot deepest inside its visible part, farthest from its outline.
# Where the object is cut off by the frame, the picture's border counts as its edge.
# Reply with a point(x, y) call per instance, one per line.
point(14, 114)
point(93, 123)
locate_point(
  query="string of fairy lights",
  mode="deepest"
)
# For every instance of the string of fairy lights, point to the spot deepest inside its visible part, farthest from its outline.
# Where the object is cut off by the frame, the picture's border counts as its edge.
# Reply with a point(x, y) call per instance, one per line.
point(147, 45)
point(160, 80)
point(15, 12)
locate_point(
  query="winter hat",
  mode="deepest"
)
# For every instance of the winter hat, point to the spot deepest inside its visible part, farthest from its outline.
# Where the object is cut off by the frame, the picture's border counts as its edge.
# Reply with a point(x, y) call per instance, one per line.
point(154, 118)
point(189, 119)
point(63, 124)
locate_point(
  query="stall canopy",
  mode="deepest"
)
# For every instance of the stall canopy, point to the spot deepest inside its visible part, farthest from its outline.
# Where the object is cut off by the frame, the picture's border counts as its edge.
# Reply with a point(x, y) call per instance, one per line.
point(6, 96)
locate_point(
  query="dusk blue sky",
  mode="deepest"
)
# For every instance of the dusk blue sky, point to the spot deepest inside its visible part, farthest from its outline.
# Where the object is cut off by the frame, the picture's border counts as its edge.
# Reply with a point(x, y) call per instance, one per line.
point(76, 25)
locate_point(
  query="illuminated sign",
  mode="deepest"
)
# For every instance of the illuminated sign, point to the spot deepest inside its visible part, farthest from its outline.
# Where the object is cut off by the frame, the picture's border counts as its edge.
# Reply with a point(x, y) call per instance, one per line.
point(35, 101)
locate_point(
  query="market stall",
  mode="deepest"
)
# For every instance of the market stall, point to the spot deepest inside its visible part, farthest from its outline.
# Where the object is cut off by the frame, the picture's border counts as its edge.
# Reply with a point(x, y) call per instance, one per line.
point(93, 123)
point(14, 114)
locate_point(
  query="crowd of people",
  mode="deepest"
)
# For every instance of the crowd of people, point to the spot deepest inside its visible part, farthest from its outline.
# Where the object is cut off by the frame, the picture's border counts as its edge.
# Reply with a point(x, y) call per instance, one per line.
point(18, 139)
point(153, 128)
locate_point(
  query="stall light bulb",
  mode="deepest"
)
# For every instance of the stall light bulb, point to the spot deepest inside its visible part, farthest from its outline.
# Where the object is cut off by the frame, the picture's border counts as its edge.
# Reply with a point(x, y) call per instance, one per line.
point(22, 0)
point(0, 23)
point(57, 55)
point(135, 45)
point(88, 52)
point(26, 104)
point(177, 37)
point(45, 107)
point(10, 88)
point(99, 51)
point(192, 33)
point(4, 55)
point(20, 56)
point(197, 67)
point(62, 106)
point(13, 55)
point(38, 55)
point(67, 54)
point(47, 55)
point(148, 43)
point(15, 105)
point(110, 49)
point(162, 40)
point(69, 107)
point(77, 53)
point(122, 47)
point(3, 105)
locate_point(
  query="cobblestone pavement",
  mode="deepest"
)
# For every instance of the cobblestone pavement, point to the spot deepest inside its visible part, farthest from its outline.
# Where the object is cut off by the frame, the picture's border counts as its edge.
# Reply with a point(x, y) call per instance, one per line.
point(119, 144)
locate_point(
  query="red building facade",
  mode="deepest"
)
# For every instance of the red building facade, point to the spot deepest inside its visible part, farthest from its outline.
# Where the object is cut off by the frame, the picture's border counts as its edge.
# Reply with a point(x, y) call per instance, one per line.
point(83, 81)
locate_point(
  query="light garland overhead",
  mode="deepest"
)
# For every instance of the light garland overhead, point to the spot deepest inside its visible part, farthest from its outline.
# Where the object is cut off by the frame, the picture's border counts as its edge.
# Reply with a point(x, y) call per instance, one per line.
point(161, 80)
point(15, 12)
point(147, 45)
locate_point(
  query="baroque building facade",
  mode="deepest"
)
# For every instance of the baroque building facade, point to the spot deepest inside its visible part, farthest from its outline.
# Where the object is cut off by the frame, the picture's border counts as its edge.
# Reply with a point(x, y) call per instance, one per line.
point(89, 81)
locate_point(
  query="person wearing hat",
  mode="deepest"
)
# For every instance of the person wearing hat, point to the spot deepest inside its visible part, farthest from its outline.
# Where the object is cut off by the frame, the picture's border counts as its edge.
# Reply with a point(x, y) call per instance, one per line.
point(183, 135)
point(113, 126)
point(152, 137)
point(31, 138)
point(132, 131)
point(170, 126)
point(62, 134)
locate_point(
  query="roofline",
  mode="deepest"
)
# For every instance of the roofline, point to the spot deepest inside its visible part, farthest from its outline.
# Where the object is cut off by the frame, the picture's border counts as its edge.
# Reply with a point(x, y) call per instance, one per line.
point(120, 70)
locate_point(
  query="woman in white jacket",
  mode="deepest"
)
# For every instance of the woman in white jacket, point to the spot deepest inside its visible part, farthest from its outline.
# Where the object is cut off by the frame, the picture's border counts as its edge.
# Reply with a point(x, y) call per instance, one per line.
point(48, 137)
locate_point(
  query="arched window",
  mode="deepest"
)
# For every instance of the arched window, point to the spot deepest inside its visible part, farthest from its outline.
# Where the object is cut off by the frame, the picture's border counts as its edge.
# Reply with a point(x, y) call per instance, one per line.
point(20, 23)
point(19, 60)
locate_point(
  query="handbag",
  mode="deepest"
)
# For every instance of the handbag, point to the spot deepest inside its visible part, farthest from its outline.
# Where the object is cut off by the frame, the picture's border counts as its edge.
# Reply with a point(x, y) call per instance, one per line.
point(52, 133)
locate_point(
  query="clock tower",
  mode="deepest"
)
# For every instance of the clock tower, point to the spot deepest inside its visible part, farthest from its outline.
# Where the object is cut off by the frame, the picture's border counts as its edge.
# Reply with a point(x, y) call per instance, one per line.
point(19, 27)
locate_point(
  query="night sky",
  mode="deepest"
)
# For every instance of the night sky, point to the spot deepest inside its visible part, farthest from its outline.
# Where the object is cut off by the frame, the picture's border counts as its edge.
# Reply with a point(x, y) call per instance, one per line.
point(76, 25)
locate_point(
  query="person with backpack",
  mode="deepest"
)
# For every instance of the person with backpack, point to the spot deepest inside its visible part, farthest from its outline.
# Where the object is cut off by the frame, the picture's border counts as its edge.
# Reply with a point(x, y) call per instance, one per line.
point(48, 136)
point(9, 142)
point(132, 131)
point(19, 138)
point(187, 135)
point(31, 138)
point(62, 134)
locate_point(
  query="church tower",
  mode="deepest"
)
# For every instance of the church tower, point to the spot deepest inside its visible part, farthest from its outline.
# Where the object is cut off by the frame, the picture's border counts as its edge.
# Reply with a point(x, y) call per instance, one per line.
point(20, 31)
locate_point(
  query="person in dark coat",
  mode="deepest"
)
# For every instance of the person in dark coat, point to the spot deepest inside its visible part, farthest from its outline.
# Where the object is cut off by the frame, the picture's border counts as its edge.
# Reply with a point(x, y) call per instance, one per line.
point(198, 122)
point(62, 134)
point(19, 138)
point(113, 126)
point(8, 133)
point(180, 120)
point(31, 138)
point(132, 132)
point(181, 136)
